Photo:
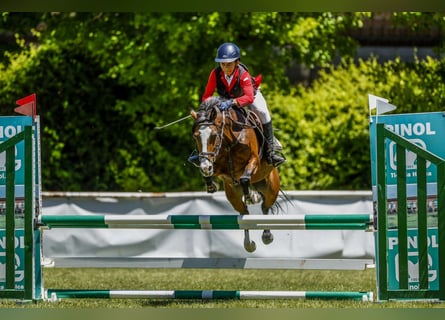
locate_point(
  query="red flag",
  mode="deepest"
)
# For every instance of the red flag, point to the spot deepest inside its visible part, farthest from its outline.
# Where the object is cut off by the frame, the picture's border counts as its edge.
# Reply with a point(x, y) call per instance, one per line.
point(27, 106)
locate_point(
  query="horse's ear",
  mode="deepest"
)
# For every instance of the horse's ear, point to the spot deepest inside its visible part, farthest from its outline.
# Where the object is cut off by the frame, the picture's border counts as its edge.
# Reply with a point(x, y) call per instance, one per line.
point(194, 114)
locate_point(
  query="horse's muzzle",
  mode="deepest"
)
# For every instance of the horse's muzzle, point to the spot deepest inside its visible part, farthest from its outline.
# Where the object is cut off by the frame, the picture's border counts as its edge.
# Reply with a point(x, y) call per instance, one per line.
point(206, 167)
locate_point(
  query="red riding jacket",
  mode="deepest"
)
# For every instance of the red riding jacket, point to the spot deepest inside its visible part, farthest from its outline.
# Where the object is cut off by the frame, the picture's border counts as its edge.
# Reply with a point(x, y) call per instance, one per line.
point(241, 87)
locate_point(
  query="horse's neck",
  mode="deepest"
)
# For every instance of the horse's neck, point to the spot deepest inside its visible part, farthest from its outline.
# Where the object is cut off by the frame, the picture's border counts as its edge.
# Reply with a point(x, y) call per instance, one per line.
point(230, 137)
point(232, 128)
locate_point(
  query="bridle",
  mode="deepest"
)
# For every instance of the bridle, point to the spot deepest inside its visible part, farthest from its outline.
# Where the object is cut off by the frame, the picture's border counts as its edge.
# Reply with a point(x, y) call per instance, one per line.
point(211, 156)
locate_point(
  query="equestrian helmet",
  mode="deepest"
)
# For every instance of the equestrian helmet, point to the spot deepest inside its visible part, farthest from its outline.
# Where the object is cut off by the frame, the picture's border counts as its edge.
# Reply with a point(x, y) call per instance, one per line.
point(227, 52)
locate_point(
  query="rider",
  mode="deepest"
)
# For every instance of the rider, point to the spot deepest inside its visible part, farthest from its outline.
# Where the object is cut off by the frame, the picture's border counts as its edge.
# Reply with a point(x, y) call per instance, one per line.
point(231, 80)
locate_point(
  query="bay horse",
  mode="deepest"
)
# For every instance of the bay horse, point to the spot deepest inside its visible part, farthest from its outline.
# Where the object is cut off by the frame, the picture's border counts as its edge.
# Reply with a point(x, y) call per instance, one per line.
point(229, 149)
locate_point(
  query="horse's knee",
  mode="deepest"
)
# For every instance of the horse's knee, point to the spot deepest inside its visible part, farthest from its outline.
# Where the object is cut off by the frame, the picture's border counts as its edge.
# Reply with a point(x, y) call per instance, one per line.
point(245, 183)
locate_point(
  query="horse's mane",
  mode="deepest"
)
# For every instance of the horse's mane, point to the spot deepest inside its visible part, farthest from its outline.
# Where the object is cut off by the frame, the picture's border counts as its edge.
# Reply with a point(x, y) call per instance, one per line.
point(208, 109)
point(209, 104)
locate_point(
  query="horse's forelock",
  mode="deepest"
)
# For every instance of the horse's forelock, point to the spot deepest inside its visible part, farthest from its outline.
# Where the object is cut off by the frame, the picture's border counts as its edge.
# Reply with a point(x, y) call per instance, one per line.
point(204, 111)
point(206, 108)
point(209, 103)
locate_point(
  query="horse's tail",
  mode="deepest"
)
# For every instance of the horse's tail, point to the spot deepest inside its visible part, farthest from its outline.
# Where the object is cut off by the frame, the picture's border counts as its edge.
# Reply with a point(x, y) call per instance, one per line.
point(277, 206)
point(284, 196)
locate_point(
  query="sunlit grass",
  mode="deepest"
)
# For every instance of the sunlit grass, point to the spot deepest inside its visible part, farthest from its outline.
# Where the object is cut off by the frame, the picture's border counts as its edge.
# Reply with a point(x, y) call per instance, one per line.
point(212, 279)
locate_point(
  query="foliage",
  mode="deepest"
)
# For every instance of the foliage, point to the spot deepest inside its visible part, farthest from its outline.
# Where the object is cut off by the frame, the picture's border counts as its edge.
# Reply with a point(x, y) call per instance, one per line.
point(104, 81)
point(424, 24)
point(325, 128)
point(326, 131)
point(16, 29)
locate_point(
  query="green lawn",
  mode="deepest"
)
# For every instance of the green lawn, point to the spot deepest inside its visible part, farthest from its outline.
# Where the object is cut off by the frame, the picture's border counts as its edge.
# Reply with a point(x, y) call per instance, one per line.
point(212, 279)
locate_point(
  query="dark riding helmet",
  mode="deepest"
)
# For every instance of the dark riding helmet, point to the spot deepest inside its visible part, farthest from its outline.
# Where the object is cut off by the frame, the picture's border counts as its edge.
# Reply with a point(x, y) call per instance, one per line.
point(227, 52)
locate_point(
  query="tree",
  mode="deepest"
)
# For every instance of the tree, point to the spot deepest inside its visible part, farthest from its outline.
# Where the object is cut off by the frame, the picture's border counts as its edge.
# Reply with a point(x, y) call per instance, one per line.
point(105, 80)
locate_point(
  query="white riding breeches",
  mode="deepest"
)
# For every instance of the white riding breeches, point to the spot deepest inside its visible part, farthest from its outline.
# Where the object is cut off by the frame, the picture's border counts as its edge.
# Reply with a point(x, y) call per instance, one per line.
point(259, 107)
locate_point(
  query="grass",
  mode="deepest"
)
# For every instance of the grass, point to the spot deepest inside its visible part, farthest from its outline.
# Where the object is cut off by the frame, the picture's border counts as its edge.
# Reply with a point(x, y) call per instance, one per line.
point(211, 279)
point(412, 220)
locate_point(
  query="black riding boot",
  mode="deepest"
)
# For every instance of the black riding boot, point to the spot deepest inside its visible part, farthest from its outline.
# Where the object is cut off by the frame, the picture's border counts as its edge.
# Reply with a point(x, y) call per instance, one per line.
point(271, 156)
point(194, 159)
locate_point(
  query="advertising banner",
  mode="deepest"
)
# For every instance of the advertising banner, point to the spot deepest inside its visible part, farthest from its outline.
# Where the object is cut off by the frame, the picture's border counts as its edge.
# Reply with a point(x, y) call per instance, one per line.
point(425, 130)
point(9, 127)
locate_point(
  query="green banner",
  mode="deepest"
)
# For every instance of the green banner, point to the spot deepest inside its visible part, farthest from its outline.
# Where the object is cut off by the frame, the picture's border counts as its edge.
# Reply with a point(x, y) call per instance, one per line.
point(413, 260)
point(426, 130)
point(19, 259)
point(9, 127)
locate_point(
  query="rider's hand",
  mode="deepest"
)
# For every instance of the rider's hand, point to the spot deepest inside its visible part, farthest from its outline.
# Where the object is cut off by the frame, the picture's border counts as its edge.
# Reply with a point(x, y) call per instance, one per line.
point(226, 105)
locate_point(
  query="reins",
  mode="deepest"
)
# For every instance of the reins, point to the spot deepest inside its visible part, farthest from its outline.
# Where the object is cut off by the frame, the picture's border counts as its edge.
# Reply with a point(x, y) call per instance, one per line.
point(250, 122)
point(220, 131)
point(206, 118)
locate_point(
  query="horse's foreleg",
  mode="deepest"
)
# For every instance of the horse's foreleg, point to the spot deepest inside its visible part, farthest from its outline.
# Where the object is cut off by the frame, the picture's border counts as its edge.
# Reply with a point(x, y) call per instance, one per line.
point(249, 196)
point(267, 236)
point(249, 245)
point(234, 195)
point(211, 184)
point(269, 188)
point(245, 185)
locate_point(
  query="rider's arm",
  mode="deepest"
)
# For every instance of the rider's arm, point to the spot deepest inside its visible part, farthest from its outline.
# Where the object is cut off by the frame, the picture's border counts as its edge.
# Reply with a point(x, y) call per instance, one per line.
point(211, 86)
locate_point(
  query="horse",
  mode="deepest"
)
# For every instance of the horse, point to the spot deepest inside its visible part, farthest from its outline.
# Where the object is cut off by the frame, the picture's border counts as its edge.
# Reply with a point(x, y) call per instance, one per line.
point(229, 146)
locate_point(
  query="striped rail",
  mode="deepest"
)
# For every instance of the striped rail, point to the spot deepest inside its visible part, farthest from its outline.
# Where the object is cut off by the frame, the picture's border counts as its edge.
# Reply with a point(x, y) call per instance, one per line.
point(221, 222)
point(58, 294)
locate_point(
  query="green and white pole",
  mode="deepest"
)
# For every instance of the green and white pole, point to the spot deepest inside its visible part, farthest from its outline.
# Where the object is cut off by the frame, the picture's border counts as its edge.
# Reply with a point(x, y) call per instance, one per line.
point(218, 222)
point(59, 294)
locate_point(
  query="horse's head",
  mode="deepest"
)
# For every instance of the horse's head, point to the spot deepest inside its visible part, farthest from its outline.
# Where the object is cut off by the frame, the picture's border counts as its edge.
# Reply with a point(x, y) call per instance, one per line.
point(208, 133)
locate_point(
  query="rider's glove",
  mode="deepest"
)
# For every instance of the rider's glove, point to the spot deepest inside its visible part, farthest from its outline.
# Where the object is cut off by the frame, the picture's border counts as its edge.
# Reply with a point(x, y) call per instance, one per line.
point(226, 105)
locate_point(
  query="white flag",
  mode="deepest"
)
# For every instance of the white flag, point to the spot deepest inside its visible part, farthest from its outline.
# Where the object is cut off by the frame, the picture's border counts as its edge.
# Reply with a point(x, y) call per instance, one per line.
point(384, 107)
point(380, 104)
point(372, 100)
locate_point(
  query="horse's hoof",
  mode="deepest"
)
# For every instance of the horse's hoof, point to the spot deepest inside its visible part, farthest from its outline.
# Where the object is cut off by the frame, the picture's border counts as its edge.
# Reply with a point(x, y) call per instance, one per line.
point(250, 246)
point(212, 188)
point(267, 237)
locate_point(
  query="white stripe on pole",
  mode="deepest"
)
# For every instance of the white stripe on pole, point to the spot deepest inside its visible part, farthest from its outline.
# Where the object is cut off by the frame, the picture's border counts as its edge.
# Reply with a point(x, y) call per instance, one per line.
point(204, 221)
point(207, 294)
